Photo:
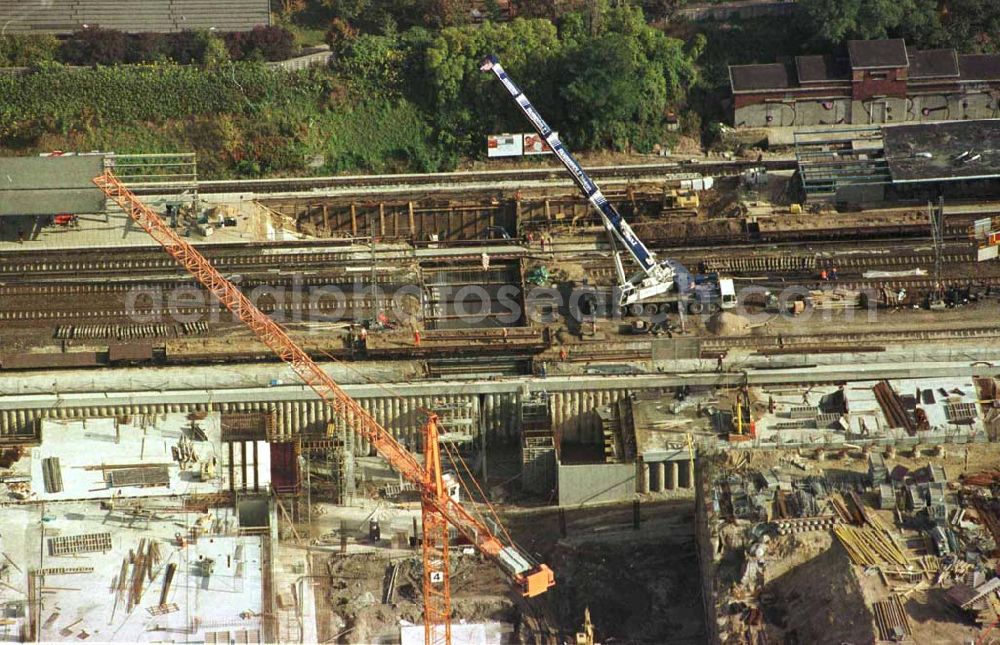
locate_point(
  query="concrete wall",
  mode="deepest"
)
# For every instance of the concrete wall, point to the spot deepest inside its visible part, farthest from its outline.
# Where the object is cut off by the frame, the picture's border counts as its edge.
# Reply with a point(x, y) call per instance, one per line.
point(943, 106)
point(581, 484)
point(740, 9)
point(574, 415)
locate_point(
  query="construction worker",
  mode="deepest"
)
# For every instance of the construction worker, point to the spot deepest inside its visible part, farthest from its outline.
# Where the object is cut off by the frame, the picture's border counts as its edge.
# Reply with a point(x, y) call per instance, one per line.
point(823, 275)
point(563, 354)
point(363, 338)
point(416, 337)
point(833, 273)
point(485, 261)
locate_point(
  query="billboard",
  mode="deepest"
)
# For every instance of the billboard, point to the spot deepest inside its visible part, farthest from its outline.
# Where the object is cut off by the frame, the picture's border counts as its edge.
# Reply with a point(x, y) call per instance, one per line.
point(534, 144)
point(504, 145)
point(516, 145)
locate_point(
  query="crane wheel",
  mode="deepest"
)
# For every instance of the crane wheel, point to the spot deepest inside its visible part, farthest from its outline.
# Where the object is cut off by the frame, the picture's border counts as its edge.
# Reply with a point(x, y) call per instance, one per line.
point(696, 308)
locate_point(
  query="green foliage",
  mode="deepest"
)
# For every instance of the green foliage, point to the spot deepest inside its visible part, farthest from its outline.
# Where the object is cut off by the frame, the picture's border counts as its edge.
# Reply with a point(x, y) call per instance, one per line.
point(373, 63)
point(608, 86)
point(972, 25)
point(63, 100)
point(967, 25)
point(25, 50)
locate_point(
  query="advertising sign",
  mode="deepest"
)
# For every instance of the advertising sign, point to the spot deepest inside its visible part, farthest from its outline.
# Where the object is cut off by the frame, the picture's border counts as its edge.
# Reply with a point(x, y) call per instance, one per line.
point(503, 145)
point(535, 145)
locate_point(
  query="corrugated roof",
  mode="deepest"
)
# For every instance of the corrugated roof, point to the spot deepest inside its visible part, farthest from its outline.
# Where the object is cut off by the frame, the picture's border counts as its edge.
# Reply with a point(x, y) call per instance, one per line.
point(873, 54)
point(66, 16)
point(749, 78)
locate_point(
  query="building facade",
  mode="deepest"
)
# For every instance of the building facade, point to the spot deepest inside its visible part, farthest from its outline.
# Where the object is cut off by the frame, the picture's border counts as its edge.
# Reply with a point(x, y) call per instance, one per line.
point(876, 82)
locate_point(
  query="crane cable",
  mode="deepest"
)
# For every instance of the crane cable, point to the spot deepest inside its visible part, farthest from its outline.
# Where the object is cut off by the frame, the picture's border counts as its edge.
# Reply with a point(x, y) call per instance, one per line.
point(397, 395)
point(478, 488)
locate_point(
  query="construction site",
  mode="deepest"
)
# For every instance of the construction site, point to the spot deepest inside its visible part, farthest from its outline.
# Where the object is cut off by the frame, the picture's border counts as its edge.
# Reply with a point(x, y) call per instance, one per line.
point(711, 400)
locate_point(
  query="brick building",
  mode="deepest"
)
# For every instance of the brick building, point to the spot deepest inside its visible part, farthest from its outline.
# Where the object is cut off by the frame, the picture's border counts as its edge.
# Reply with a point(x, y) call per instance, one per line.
point(873, 82)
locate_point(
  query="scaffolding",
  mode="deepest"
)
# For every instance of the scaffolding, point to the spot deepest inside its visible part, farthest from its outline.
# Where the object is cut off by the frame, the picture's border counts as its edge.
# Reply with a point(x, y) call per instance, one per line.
point(538, 445)
point(832, 160)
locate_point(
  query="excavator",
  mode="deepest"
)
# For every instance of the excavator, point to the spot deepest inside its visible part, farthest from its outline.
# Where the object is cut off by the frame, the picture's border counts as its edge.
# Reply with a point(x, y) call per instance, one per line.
point(439, 509)
point(656, 278)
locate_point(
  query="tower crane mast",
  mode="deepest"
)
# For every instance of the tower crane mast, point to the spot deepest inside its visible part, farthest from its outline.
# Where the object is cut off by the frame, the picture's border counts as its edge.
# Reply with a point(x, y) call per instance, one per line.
point(438, 508)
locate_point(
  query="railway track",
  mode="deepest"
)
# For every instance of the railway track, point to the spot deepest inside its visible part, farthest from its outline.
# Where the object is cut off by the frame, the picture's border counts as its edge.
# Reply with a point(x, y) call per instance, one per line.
point(85, 311)
point(850, 339)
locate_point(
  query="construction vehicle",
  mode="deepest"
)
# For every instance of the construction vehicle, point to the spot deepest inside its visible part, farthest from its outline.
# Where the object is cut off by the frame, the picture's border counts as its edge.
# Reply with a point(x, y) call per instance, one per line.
point(586, 636)
point(656, 278)
point(676, 199)
point(439, 509)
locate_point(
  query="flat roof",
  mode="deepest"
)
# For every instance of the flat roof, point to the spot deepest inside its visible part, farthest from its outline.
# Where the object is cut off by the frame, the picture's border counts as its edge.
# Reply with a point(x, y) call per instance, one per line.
point(50, 185)
point(874, 54)
point(933, 63)
point(749, 78)
point(943, 151)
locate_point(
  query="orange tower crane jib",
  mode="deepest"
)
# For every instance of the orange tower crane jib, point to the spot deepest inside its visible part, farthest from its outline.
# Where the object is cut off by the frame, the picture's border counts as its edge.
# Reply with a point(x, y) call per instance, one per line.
point(533, 579)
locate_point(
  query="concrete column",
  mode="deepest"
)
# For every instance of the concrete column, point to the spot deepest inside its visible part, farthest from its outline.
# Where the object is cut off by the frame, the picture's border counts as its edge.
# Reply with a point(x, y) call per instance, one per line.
point(690, 478)
point(661, 477)
point(675, 470)
point(645, 478)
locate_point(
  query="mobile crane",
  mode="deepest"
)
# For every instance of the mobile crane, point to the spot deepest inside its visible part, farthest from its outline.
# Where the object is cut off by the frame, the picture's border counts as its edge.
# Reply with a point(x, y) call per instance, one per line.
point(438, 508)
point(656, 277)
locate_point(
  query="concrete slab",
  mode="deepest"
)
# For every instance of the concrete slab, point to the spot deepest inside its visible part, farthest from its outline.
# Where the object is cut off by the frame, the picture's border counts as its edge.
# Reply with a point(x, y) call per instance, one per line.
point(86, 605)
point(467, 634)
point(85, 446)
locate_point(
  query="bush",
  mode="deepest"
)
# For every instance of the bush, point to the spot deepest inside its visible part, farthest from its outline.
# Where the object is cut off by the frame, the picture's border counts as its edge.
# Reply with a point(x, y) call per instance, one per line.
point(148, 48)
point(189, 47)
point(26, 50)
point(260, 43)
point(94, 46)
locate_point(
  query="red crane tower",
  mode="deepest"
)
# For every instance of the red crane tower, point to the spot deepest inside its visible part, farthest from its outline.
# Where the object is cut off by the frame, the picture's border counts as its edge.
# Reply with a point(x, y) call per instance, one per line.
point(437, 507)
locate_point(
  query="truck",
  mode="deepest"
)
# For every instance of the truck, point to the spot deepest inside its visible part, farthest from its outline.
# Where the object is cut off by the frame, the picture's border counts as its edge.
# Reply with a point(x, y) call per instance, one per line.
point(659, 285)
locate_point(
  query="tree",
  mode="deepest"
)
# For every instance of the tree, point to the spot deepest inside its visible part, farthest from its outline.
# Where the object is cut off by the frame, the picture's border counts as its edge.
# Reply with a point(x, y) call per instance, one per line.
point(288, 9)
point(339, 35)
point(972, 25)
point(187, 47)
point(835, 21)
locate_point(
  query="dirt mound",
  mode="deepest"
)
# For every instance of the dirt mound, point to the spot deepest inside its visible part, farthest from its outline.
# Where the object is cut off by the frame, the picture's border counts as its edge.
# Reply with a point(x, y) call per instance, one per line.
point(726, 323)
point(819, 601)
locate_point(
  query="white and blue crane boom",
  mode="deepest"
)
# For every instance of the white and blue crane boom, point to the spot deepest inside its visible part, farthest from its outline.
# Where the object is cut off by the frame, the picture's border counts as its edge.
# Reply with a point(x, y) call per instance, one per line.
point(657, 276)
